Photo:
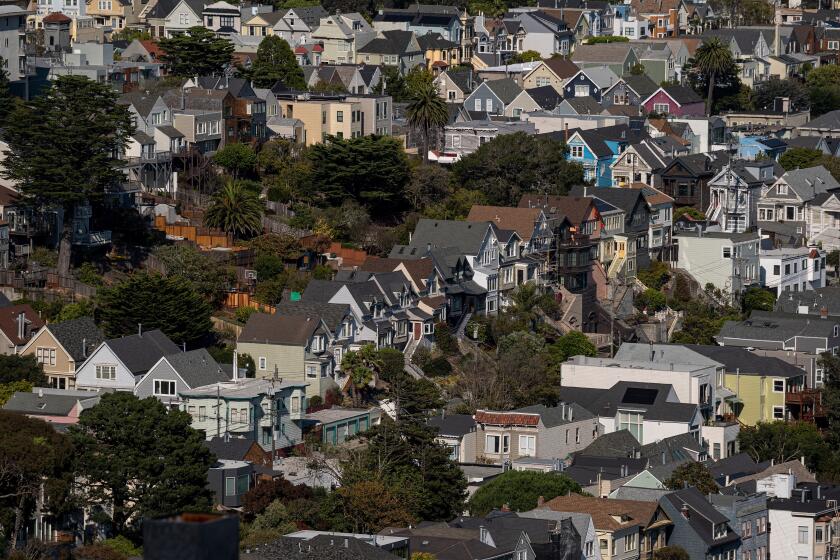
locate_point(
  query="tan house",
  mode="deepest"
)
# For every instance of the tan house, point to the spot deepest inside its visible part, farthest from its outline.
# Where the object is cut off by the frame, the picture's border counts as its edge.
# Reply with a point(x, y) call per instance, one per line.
point(552, 72)
point(60, 347)
point(261, 24)
point(109, 13)
point(342, 35)
point(17, 325)
point(440, 53)
point(322, 118)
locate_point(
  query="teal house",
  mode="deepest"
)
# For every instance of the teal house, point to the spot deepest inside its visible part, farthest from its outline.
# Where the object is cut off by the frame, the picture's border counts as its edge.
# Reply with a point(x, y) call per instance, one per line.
point(337, 424)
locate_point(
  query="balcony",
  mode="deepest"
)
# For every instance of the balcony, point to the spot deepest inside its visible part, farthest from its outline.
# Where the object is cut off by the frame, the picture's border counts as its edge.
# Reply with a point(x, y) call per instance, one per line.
point(805, 404)
point(155, 157)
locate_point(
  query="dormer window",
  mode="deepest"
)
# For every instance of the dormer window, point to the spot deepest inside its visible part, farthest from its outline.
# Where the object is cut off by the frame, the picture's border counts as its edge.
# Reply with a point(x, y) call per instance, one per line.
point(720, 530)
point(317, 344)
point(782, 188)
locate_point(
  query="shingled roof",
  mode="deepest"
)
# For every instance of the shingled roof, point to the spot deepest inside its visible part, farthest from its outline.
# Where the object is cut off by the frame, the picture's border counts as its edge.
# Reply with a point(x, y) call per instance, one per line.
point(607, 515)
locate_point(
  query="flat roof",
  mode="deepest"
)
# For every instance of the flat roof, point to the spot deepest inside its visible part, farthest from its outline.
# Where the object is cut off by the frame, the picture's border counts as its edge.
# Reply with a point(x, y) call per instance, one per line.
point(329, 415)
point(634, 364)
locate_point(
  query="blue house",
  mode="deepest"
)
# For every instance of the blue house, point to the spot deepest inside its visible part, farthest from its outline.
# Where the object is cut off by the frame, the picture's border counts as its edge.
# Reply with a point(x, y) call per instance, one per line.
point(752, 147)
point(594, 154)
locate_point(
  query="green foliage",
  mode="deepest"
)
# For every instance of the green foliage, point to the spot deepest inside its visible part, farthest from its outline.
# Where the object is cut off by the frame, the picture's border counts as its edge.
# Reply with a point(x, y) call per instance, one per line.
point(322, 272)
point(712, 72)
point(287, 247)
point(9, 389)
point(123, 546)
point(520, 490)
point(693, 474)
point(242, 314)
point(236, 158)
point(823, 85)
point(372, 170)
point(75, 310)
point(197, 52)
point(170, 304)
point(525, 56)
point(7, 101)
point(394, 83)
point(131, 463)
point(14, 367)
point(799, 158)
point(513, 164)
point(766, 92)
point(831, 404)
point(87, 273)
point(44, 257)
point(205, 275)
point(428, 184)
point(129, 34)
point(758, 298)
point(637, 69)
point(438, 367)
point(693, 212)
point(445, 339)
point(271, 291)
point(671, 552)
point(786, 441)
point(275, 62)
point(61, 145)
point(573, 343)
point(274, 522)
point(651, 300)
point(428, 112)
point(455, 207)
point(360, 366)
point(235, 211)
point(654, 276)
point(328, 87)
point(606, 39)
point(268, 266)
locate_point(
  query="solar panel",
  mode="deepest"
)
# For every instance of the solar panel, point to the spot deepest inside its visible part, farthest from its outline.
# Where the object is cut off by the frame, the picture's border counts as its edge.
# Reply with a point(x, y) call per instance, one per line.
point(638, 395)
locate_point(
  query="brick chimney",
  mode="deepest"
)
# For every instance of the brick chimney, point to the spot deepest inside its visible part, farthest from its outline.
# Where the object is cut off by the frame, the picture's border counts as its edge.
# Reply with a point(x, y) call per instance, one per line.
point(540, 501)
point(505, 507)
point(823, 312)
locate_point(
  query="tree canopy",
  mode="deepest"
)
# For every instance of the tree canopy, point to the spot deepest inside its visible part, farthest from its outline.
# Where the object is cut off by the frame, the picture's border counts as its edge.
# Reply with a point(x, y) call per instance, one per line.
point(187, 262)
point(236, 158)
point(785, 441)
point(513, 164)
point(62, 144)
point(170, 304)
point(14, 367)
point(712, 72)
point(149, 463)
point(275, 62)
point(196, 52)
point(800, 158)
point(235, 210)
point(693, 474)
point(519, 490)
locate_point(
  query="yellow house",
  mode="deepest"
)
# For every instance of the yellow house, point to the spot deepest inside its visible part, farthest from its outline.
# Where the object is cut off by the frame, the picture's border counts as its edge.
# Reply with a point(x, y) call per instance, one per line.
point(552, 72)
point(322, 118)
point(765, 396)
point(261, 25)
point(108, 13)
point(440, 53)
point(62, 347)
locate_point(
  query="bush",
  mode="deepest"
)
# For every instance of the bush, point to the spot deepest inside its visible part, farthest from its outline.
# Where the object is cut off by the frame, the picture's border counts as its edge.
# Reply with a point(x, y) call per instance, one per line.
point(316, 401)
point(438, 367)
point(421, 357)
point(88, 274)
point(244, 313)
point(123, 545)
point(655, 276)
point(98, 551)
point(520, 490)
point(477, 329)
point(445, 339)
point(651, 300)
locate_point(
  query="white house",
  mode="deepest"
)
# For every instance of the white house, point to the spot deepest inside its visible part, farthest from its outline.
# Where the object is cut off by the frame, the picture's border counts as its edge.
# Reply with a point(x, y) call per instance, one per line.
point(119, 363)
point(727, 261)
point(795, 269)
point(178, 372)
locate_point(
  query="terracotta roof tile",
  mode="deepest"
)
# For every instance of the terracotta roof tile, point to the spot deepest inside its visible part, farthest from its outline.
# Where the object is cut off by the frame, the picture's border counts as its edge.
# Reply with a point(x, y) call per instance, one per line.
point(56, 17)
point(521, 220)
point(506, 418)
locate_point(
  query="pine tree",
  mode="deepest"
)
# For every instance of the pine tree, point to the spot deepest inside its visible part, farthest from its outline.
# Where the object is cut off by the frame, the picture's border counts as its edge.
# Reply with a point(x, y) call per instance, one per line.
point(276, 61)
point(198, 52)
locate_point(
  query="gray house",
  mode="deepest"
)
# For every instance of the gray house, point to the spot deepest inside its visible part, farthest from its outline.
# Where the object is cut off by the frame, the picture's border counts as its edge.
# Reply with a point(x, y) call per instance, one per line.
point(230, 481)
point(698, 527)
point(176, 372)
point(393, 48)
point(500, 97)
point(630, 90)
point(590, 82)
point(747, 514)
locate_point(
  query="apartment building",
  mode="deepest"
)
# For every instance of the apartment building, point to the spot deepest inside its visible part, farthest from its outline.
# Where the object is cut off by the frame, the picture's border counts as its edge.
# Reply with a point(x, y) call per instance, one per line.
point(340, 116)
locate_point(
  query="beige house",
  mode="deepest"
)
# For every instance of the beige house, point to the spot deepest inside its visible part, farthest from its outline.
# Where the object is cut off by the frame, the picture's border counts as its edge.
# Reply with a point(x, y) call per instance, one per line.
point(543, 75)
point(60, 347)
point(342, 35)
point(323, 118)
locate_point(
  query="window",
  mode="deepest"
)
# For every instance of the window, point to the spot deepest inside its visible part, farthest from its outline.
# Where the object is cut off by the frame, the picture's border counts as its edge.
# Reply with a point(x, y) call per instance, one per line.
point(818, 534)
point(802, 535)
point(45, 356)
point(582, 91)
point(727, 252)
point(603, 544)
point(339, 116)
point(242, 484)
point(631, 542)
point(746, 529)
point(202, 413)
point(778, 413)
point(311, 371)
point(489, 105)
point(776, 269)
point(492, 444)
point(542, 82)
point(295, 404)
point(661, 108)
point(527, 446)
point(164, 388)
point(719, 530)
point(478, 104)
point(577, 435)
point(761, 525)
point(263, 363)
point(230, 486)
point(505, 444)
point(631, 421)
point(106, 371)
point(589, 548)
point(577, 152)
point(778, 385)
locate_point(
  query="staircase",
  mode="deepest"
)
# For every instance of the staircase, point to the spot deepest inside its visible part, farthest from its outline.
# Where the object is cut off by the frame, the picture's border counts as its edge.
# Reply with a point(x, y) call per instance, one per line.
point(616, 266)
point(713, 213)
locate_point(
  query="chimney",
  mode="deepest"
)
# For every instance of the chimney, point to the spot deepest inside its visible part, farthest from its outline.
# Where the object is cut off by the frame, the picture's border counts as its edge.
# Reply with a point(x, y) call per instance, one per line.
point(139, 329)
point(183, 347)
point(235, 365)
point(21, 325)
point(823, 312)
point(540, 501)
point(684, 511)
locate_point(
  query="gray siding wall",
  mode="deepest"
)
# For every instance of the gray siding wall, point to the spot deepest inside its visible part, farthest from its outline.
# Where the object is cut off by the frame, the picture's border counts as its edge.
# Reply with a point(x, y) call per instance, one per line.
point(620, 89)
point(484, 93)
point(552, 441)
point(161, 371)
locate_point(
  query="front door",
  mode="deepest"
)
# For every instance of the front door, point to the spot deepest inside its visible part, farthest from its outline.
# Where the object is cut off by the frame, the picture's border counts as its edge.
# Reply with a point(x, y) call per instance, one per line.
point(418, 330)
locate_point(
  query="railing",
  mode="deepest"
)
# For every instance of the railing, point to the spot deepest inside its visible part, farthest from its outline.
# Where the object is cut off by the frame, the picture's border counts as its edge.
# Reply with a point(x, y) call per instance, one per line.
point(157, 157)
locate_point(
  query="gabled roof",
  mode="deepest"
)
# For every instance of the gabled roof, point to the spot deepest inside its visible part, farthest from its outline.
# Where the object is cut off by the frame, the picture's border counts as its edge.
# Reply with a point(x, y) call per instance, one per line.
point(9, 322)
point(626, 198)
point(601, 76)
point(702, 516)
point(607, 53)
point(641, 84)
point(395, 41)
point(556, 415)
point(142, 102)
point(585, 105)
point(321, 291)
point(331, 313)
point(465, 236)
point(454, 425)
point(680, 94)
point(139, 352)
point(197, 367)
point(48, 403)
point(506, 89)
point(521, 220)
point(594, 141)
point(813, 300)
point(546, 97)
point(461, 78)
point(285, 330)
point(809, 182)
point(79, 337)
point(607, 515)
point(434, 41)
point(650, 397)
point(56, 17)
point(562, 67)
point(776, 327)
point(575, 208)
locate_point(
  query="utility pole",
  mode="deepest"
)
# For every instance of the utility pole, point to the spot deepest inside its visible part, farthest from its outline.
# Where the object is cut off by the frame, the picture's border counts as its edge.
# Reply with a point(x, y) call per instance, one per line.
point(273, 418)
point(218, 412)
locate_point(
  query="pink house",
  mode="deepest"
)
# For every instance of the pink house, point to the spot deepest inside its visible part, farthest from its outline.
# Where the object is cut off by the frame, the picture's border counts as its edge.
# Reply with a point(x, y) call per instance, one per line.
point(679, 101)
point(56, 406)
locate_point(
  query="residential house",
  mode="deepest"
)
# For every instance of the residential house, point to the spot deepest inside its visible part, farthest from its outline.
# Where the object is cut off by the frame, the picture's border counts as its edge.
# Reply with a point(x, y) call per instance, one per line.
point(650, 411)
point(823, 220)
point(727, 261)
point(61, 347)
point(109, 14)
point(686, 180)
point(168, 18)
point(392, 48)
point(266, 411)
point(178, 372)
point(222, 18)
point(439, 53)
point(12, 47)
point(60, 407)
point(18, 324)
point(626, 23)
point(244, 114)
point(552, 72)
point(230, 481)
point(735, 192)
point(698, 527)
point(336, 425)
point(660, 242)
point(295, 25)
point(535, 431)
point(658, 61)
point(342, 35)
point(465, 137)
point(759, 146)
point(292, 347)
point(238, 449)
point(341, 115)
point(546, 97)
point(582, 523)
point(500, 97)
point(618, 57)
point(803, 521)
point(524, 537)
point(590, 82)
point(533, 31)
point(120, 363)
point(530, 224)
point(625, 529)
point(585, 107)
point(454, 85)
point(797, 339)
point(792, 269)
point(826, 125)
point(422, 20)
point(747, 515)
point(148, 155)
point(789, 198)
point(639, 163)
point(458, 433)
point(202, 129)
point(675, 100)
point(589, 148)
point(630, 90)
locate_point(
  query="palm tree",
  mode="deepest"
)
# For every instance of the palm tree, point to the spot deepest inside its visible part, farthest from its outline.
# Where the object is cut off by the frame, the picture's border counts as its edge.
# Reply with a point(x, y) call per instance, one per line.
point(235, 210)
point(361, 366)
point(426, 111)
point(712, 59)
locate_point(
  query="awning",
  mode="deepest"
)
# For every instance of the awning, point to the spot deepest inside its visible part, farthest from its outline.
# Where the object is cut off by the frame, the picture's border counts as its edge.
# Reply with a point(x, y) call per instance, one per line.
point(724, 393)
point(661, 523)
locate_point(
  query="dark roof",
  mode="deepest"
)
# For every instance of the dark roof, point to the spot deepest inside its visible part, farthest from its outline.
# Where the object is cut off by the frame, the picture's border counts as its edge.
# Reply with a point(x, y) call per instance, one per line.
point(556, 415)
point(320, 290)
point(682, 95)
point(197, 368)
point(395, 41)
point(620, 443)
point(289, 330)
point(455, 425)
point(322, 547)
point(585, 105)
point(815, 300)
point(233, 449)
point(506, 528)
point(698, 165)
point(546, 97)
point(641, 84)
point(79, 336)
point(434, 41)
point(734, 466)
point(332, 313)
point(830, 121)
point(141, 101)
point(650, 397)
point(462, 78)
point(46, 404)
point(465, 236)
point(702, 516)
point(139, 352)
point(505, 89)
point(625, 198)
point(563, 67)
point(586, 469)
point(746, 362)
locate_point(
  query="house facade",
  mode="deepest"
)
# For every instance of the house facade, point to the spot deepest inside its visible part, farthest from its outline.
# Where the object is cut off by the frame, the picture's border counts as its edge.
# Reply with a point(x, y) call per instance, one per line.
point(61, 347)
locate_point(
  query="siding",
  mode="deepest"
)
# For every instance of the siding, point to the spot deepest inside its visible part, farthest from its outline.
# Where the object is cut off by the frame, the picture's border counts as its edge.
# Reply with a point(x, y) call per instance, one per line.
point(86, 375)
point(161, 370)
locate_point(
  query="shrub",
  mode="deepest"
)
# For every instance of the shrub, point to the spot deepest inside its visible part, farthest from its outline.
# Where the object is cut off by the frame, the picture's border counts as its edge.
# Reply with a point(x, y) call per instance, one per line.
point(445, 339)
point(242, 314)
point(438, 367)
point(520, 490)
point(652, 300)
point(655, 276)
